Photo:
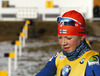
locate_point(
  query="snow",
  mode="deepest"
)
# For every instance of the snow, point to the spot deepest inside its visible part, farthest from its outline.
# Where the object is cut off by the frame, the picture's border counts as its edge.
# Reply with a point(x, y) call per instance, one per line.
point(29, 63)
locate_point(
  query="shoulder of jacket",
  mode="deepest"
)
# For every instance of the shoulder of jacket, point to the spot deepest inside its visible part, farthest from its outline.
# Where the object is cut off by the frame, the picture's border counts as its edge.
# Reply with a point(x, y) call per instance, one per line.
point(55, 55)
point(94, 60)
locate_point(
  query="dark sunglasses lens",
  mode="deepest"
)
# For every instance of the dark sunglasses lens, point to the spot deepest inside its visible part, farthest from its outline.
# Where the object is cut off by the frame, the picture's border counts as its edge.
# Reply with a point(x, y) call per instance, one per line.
point(70, 23)
point(58, 20)
point(65, 21)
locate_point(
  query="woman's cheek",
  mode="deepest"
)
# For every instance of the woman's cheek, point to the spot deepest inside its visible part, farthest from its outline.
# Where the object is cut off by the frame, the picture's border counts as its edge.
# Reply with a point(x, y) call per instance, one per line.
point(72, 42)
point(60, 42)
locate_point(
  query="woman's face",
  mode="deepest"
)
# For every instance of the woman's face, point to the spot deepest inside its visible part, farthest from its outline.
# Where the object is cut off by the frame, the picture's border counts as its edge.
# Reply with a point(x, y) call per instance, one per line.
point(69, 43)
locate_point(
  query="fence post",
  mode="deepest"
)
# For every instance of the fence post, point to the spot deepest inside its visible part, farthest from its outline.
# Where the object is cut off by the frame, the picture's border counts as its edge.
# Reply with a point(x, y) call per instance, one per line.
point(9, 55)
point(22, 39)
point(3, 73)
point(17, 43)
point(25, 30)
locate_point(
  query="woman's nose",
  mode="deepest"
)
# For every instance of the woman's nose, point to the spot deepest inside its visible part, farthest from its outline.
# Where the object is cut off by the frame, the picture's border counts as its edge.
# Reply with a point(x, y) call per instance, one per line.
point(64, 42)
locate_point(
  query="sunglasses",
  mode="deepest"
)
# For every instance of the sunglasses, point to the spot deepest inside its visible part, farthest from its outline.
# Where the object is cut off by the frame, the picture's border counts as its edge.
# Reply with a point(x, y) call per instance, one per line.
point(67, 21)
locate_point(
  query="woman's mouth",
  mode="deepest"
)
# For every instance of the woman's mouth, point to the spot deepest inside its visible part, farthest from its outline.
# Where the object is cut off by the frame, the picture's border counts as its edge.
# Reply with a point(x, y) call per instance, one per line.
point(65, 48)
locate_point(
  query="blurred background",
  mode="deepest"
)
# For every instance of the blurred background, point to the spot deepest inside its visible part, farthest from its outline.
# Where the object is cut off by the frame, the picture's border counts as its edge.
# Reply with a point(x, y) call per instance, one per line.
point(42, 40)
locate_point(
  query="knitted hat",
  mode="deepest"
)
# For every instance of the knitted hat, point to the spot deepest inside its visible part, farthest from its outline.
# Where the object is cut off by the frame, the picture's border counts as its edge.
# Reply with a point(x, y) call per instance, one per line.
point(78, 29)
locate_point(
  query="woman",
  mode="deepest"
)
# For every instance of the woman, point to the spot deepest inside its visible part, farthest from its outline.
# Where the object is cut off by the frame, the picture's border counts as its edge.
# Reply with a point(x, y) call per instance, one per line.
point(76, 57)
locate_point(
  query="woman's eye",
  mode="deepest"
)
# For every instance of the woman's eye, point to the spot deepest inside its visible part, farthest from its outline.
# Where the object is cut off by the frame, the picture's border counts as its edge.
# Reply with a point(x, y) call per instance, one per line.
point(69, 38)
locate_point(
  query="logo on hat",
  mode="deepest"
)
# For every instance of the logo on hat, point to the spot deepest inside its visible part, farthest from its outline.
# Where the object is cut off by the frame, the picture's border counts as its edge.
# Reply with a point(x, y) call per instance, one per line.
point(63, 31)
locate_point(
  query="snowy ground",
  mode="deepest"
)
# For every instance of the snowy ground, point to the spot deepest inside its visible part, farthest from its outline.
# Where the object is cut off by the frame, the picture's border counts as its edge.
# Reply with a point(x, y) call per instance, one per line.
point(30, 62)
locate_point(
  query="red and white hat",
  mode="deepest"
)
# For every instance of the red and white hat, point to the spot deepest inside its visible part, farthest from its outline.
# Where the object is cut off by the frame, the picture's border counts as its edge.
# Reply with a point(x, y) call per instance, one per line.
point(68, 28)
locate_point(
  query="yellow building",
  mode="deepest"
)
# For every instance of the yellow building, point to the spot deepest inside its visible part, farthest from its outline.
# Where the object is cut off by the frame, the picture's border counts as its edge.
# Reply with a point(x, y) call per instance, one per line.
point(96, 2)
